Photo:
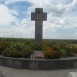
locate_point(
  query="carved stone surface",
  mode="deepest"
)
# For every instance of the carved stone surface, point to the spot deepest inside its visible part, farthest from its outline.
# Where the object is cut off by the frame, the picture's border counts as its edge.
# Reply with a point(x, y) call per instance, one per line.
point(39, 64)
point(38, 17)
point(33, 65)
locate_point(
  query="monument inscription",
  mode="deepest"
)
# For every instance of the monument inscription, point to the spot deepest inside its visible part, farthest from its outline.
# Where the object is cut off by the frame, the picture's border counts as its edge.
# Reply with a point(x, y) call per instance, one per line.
point(38, 17)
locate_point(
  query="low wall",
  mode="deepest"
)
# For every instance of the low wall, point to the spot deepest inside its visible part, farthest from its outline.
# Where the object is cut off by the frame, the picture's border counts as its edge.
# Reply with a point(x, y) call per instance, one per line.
point(38, 64)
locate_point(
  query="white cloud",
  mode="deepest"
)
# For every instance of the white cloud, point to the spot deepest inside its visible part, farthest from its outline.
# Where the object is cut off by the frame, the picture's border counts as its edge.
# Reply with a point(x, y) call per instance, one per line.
point(6, 18)
point(60, 15)
point(24, 29)
point(76, 33)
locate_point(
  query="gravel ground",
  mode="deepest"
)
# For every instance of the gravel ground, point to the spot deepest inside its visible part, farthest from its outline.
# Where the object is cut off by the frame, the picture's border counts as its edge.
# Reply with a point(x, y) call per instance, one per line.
point(11, 72)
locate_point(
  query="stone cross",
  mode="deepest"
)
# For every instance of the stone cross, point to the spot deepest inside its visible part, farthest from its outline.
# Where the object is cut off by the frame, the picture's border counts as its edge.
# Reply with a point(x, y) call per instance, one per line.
point(38, 17)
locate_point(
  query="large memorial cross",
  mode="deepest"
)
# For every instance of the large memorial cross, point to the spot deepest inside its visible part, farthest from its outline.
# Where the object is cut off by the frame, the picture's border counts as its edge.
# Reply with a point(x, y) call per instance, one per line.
point(38, 17)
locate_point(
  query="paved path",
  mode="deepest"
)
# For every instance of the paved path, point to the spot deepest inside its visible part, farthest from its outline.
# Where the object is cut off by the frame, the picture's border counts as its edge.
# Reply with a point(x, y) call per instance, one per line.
point(11, 72)
point(1, 75)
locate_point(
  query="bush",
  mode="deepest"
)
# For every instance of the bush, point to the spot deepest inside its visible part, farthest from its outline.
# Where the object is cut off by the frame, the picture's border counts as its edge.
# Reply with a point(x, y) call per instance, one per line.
point(27, 52)
point(69, 51)
point(17, 46)
point(17, 50)
point(64, 44)
point(3, 46)
point(11, 52)
point(63, 53)
point(36, 46)
point(74, 49)
point(50, 53)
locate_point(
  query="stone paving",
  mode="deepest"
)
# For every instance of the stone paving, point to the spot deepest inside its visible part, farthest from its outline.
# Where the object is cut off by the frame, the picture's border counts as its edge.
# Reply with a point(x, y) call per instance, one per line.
point(11, 72)
point(1, 75)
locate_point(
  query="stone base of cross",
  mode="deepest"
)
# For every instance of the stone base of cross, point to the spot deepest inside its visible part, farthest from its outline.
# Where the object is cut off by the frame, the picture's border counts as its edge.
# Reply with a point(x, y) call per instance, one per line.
point(38, 17)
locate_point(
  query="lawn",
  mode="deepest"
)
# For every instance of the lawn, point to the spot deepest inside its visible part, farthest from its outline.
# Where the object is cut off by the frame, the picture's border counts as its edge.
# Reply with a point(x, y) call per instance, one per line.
point(75, 45)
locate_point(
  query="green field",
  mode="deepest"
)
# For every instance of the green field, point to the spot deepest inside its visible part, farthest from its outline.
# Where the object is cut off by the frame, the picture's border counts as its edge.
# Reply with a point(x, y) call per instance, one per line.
point(75, 45)
point(72, 41)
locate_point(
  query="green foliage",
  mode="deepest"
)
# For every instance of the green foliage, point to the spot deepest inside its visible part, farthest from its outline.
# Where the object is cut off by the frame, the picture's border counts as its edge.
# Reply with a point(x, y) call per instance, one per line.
point(56, 45)
point(74, 49)
point(11, 52)
point(74, 45)
point(27, 52)
point(69, 51)
point(3, 46)
point(36, 46)
point(17, 46)
point(63, 53)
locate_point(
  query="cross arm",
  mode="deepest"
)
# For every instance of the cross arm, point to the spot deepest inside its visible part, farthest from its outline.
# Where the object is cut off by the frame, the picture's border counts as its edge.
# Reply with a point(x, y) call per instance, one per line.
point(44, 16)
point(32, 16)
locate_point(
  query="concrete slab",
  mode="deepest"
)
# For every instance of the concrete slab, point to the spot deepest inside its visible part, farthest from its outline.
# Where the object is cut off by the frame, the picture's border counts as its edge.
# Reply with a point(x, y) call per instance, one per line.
point(1, 75)
point(72, 74)
point(12, 72)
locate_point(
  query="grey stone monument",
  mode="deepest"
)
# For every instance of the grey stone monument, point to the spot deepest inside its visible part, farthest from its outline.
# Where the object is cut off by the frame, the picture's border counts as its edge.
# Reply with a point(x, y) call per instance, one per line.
point(38, 17)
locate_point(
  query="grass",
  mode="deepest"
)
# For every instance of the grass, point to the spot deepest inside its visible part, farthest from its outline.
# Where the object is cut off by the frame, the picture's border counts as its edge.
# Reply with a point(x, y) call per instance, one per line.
point(75, 45)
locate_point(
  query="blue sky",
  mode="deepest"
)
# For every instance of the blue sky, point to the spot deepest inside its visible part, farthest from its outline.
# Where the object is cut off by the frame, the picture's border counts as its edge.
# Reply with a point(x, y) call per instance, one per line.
point(15, 18)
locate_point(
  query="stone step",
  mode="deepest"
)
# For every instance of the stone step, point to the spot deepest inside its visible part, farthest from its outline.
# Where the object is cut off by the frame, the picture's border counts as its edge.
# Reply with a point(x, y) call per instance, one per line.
point(72, 74)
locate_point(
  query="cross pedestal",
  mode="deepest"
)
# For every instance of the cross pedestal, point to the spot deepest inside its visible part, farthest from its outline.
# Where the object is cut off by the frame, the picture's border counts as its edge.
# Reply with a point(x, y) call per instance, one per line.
point(38, 17)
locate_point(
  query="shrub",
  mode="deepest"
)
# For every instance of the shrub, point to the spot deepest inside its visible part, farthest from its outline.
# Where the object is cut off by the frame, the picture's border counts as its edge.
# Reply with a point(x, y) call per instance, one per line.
point(74, 49)
point(64, 44)
point(63, 53)
point(3, 46)
point(50, 44)
point(36, 46)
point(50, 53)
point(27, 52)
point(11, 52)
point(56, 47)
point(69, 51)
point(17, 46)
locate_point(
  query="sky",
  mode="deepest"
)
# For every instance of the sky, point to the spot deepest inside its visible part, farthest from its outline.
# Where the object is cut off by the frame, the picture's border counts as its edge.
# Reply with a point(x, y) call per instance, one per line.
point(15, 18)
